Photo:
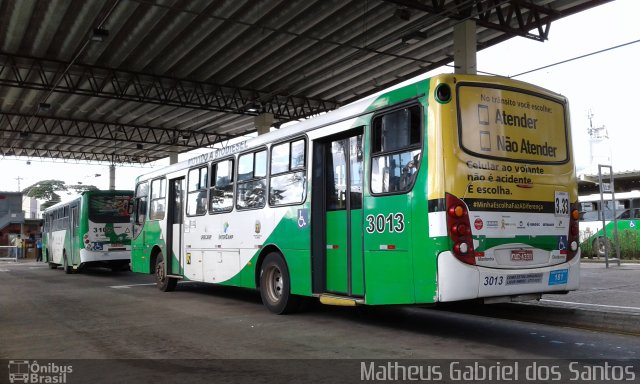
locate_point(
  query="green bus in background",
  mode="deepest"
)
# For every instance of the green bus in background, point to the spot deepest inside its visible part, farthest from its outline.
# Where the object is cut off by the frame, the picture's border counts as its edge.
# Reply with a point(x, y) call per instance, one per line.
point(453, 188)
point(92, 229)
point(597, 241)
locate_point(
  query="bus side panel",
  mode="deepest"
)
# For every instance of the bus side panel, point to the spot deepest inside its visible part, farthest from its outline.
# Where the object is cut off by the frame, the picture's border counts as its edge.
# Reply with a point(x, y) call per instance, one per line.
point(292, 236)
point(388, 250)
point(141, 252)
point(425, 248)
point(83, 226)
point(56, 246)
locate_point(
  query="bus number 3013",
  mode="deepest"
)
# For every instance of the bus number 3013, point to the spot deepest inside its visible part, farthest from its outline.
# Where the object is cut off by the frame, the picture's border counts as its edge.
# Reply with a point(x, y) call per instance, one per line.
point(393, 222)
point(493, 280)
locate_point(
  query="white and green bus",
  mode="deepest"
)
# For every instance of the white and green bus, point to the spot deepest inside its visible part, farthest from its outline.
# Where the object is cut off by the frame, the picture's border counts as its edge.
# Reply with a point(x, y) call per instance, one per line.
point(454, 188)
point(92, 229)
point(596, 209)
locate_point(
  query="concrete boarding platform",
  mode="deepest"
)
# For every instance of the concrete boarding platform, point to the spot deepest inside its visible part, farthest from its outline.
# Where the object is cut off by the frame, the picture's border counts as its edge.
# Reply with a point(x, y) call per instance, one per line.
point(608, 300)
point(614, 289)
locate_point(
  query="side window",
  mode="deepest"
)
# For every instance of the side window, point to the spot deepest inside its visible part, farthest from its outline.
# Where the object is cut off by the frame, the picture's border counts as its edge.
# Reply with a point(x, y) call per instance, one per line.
point(74, 213)
point(288, 181)
point(395, 150)
point(158, 193)
point(221, 195)
point(197, 191)
point(252, 185)
point(140, 206)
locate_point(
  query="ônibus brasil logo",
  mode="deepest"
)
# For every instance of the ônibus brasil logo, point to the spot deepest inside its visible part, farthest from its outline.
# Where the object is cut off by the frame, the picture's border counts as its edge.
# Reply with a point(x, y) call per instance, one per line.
point(24, 371)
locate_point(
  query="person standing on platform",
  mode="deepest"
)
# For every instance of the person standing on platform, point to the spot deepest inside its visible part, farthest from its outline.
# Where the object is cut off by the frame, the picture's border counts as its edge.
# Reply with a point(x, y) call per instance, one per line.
point(39, 249)
point(17, 241)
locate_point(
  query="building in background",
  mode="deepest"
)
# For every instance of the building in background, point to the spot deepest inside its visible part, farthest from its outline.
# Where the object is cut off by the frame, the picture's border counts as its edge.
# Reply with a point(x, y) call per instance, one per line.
point(13, 221)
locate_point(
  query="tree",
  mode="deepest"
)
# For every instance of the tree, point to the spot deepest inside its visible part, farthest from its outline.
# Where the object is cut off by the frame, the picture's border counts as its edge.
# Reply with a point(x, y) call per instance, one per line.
point(47, 190)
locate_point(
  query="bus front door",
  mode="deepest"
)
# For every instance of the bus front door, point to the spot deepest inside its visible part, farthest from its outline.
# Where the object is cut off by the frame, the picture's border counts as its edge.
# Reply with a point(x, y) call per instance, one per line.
point(343, 248)
point(175, 222)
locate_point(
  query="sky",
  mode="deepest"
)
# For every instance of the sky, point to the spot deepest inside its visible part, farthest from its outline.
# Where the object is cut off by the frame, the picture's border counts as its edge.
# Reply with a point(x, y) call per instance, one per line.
point(606, 85)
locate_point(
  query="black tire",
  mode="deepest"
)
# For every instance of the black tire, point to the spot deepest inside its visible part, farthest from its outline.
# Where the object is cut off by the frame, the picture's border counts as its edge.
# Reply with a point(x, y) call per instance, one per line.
point(68, 269)
point(275, 286)
point(164, 283)
point(601, 245)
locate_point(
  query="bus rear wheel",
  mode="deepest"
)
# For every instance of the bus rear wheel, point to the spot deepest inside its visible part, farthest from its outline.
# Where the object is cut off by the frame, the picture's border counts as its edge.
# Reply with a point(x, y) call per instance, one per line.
point(68, 269)
point(52, 265)
point(275, 286)
point(163, 282)
point(601, 245)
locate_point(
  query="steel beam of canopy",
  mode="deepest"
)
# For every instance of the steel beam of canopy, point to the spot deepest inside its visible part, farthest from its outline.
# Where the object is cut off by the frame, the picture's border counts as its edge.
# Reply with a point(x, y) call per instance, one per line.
point(87, 129)
point(87, 80)
point(513, 17)
point(76, 155)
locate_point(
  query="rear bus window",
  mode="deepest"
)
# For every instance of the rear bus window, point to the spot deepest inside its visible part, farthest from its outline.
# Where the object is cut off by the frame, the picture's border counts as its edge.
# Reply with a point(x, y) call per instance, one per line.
point(396, 139)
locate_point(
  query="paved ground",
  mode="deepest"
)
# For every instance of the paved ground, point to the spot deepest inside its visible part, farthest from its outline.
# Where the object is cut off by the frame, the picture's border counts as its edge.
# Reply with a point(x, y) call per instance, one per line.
point(49, 316)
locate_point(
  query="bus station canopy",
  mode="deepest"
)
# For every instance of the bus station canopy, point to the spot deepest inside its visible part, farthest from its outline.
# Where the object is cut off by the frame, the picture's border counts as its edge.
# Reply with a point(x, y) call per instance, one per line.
point(132, 81)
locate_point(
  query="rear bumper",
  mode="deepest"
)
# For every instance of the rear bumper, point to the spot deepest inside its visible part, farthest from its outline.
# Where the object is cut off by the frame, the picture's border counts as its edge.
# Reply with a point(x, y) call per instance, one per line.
point(460, 281)
point(103, 256)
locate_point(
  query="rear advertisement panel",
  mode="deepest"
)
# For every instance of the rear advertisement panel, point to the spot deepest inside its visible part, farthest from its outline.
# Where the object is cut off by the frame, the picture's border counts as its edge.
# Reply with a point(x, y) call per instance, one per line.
point(514, 172)
point(501, 123)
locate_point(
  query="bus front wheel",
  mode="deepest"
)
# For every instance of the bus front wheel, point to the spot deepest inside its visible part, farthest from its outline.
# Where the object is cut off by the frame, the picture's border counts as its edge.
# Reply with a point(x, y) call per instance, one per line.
point(275, 286)
point(163, 282)
point(601, 246)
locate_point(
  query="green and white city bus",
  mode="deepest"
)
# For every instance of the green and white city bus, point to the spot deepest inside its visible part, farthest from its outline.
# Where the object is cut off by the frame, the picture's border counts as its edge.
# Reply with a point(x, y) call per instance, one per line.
point(453, 188)
point(91, 229)
point(593, 211)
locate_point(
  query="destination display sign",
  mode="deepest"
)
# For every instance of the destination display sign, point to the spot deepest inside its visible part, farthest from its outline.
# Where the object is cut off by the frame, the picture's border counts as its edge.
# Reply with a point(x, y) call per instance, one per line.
point(512, 125)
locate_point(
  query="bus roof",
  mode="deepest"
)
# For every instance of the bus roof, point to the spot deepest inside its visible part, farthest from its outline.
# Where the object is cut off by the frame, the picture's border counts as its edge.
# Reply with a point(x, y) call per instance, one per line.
point(353, 110)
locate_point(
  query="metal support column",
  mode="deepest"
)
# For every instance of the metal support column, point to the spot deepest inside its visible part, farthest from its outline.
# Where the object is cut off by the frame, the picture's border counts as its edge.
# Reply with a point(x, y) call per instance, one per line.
point(610, 187)
point(173, 157)
point(464, 42)
point(112, 177)
point(263, 123)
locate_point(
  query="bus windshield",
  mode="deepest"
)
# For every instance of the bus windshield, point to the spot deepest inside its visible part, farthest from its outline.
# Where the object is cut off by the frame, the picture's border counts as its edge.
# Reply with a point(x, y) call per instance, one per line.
point(109, 208)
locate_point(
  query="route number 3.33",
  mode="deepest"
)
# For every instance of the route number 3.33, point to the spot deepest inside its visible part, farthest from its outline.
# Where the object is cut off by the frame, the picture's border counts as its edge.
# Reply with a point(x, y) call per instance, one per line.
point(393, 222)
point(562, 203)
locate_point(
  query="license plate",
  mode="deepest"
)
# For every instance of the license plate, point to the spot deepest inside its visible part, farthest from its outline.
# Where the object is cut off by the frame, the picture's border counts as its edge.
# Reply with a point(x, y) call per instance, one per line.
point(560, 276)
point(522, 255)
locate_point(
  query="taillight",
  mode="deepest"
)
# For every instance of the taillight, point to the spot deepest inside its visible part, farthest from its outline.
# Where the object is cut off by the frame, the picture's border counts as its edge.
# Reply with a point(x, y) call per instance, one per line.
point(574, 232)
point(459, 229)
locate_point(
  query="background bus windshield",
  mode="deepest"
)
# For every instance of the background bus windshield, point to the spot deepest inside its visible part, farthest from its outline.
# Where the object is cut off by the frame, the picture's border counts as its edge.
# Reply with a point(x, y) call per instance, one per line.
point(109, 208)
